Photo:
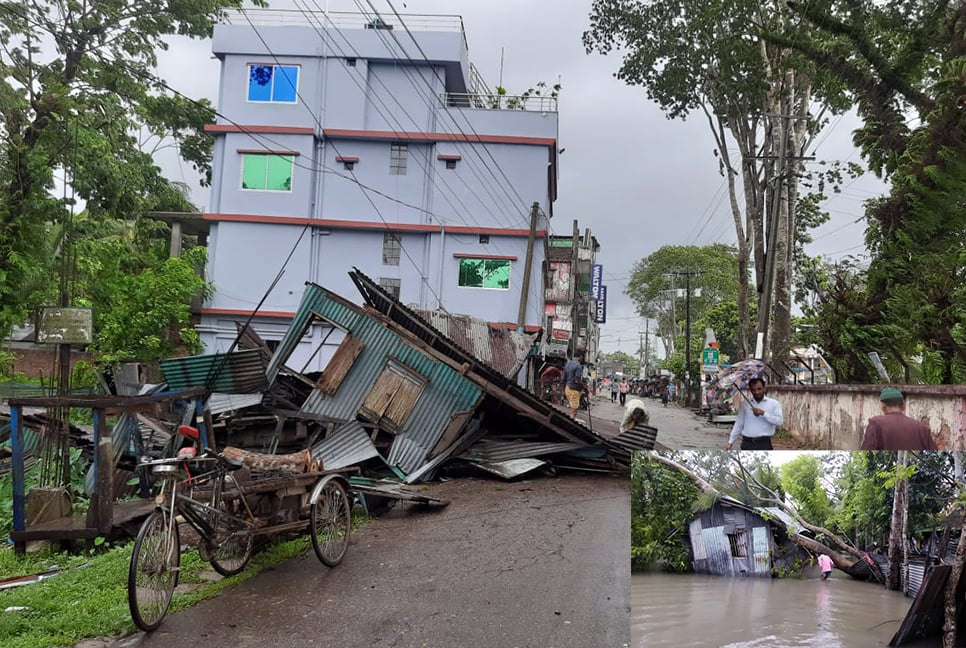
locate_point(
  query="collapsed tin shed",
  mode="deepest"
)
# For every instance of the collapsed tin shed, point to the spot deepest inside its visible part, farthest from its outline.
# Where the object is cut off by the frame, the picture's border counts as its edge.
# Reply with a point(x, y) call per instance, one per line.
point(732, 539)
point(412, 402)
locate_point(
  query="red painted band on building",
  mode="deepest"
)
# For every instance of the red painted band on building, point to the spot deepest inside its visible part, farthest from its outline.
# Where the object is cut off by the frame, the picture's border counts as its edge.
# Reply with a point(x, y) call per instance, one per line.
point(267, 152)
point(499, 257)
point(449, 157)
point(238, 312)
point(436, 137)
point(345, 158)
point(369, 225)
point(275, 130)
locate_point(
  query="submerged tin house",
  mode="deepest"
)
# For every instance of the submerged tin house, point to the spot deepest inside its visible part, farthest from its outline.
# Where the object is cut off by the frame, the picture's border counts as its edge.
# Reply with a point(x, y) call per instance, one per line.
point(732, 539)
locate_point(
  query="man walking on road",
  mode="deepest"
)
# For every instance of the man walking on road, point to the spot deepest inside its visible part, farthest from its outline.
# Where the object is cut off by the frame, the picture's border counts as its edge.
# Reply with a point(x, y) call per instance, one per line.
point(893, 430)
point(574, 384)
point(757, 420)
point(624, 388)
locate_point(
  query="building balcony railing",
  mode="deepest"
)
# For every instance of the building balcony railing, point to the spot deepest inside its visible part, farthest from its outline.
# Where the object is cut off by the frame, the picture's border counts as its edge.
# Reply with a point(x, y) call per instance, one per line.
point(344, 20)
point(499, 102)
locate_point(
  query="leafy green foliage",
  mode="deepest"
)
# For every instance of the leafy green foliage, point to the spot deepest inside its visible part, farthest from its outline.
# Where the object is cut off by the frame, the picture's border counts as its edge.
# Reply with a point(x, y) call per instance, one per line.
point(76, 94)
point(801, 478)
point(662, 503)
point(897, 59)
point(653, 286)
point(136, 310)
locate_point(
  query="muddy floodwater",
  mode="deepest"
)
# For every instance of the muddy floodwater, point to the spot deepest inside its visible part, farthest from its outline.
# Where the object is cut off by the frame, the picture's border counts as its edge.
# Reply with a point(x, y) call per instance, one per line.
point(693, 610)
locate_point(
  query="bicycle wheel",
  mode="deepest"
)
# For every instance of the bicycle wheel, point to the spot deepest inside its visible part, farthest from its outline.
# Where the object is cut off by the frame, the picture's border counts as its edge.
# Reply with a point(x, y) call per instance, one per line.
point(330, 522)
point(232, 545)
point(154, 569)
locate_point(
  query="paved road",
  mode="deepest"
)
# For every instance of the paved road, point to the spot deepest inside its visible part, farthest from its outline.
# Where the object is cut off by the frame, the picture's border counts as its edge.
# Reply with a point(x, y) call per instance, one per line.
point(540, 563)
point(678, 428)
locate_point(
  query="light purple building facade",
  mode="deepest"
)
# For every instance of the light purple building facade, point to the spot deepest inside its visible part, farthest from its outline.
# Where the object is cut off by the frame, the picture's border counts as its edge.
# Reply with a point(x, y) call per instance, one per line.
point(348, 142)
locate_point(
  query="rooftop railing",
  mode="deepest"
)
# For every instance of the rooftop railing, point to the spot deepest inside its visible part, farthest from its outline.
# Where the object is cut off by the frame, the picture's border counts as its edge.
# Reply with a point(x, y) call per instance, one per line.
point(535, 103)
point(344, 20)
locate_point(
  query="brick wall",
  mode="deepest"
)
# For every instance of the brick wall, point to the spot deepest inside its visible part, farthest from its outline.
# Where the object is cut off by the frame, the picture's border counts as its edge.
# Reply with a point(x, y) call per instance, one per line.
point(39, 362)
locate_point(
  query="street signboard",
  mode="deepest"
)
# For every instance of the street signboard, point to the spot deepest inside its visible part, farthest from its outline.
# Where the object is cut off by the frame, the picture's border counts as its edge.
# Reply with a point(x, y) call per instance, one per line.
point(600, 308)
point(709, 360)
point(596, 281)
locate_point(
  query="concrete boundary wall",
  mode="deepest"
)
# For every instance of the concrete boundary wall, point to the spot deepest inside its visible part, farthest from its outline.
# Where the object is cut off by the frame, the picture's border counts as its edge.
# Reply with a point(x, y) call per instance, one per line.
point(834, 416)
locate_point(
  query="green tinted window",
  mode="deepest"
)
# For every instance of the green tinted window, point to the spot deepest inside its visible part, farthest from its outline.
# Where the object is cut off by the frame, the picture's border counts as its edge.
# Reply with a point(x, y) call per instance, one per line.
point(485, 273)
point(267, 172)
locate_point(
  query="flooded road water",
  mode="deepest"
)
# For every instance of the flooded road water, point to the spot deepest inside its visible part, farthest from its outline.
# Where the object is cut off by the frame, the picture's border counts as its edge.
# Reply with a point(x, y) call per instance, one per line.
point(700, 610)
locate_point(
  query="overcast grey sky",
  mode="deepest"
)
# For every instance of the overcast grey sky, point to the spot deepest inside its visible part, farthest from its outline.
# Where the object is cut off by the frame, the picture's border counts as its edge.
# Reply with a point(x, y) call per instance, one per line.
point(636, 179)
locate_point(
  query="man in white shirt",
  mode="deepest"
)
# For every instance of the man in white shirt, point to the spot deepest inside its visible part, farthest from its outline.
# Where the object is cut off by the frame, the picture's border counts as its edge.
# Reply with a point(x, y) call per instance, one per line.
point(756, 421)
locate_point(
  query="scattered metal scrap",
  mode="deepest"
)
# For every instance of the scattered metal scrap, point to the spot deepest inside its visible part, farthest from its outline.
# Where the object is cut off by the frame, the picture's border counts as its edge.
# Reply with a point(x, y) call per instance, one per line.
point(399, 396)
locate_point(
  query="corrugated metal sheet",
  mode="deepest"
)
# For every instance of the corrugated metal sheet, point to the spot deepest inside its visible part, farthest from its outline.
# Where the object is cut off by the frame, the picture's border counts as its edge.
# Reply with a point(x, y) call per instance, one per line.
point(915, 572)
point(640, 437)
point(514, 396)
point(502, 349)
point(347, 445)
point(241, 372)
point(787, 520)
point(762, 551)
point(718, 550)
point(219, 403)
point(697, 545)
point(446, 394)
point(512, 467)
point(490, 451)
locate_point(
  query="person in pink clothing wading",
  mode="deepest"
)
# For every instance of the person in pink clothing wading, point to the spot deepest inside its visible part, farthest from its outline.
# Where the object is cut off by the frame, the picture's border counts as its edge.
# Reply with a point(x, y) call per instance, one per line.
point(825, 566)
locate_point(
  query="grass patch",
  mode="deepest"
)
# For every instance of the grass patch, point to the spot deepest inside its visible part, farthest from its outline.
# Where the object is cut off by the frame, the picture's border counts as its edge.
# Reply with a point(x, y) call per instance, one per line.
point(782, 433)
point(89, 597)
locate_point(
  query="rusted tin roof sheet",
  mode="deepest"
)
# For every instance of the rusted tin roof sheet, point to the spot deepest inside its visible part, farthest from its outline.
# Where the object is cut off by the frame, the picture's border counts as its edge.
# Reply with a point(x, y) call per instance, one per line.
point(241, 372)
point(347, 445)
point(502, 349)
point(526, 404)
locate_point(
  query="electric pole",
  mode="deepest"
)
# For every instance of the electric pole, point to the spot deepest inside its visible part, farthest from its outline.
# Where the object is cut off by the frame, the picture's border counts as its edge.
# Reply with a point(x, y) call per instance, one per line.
point(687, 329)
point(528, 266)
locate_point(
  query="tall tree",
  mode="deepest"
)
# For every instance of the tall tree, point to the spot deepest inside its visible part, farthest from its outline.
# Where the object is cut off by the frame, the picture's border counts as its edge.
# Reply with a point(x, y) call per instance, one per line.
point(705, 56)
point(656, 282)
point(76, 94)
point(900, 60)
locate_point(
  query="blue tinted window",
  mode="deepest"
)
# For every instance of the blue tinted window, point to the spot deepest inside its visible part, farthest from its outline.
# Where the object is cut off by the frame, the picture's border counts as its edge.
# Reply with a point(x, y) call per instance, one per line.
point(273, 83)
point(260, 82)
point(286, 83)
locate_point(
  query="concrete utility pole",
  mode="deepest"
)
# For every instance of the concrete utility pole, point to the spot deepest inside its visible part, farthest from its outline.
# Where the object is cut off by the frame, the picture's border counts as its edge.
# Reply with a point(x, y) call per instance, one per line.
point(647, 338)
point(687, 328)
point(773, 221)
point(528, 266)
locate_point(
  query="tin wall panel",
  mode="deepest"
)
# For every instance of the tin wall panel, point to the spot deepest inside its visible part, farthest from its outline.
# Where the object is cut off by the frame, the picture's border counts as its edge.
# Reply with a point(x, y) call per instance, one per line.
point(447, 392)
point(697, 545)
point(761, 550)
point(240, 372)
point(718, 550)
point(347, 445)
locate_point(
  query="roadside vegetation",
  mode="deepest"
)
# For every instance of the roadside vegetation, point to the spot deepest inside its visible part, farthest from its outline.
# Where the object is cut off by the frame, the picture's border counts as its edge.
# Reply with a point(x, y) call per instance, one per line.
point(88, 596)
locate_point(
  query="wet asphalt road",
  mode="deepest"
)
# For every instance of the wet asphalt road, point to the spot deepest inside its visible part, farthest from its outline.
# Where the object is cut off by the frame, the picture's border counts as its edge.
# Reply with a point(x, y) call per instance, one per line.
point(539, 563)
point(677, 428)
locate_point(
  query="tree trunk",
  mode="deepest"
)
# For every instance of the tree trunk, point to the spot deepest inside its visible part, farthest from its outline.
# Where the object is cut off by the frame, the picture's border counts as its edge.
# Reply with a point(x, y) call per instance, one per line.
point(897, 534)
point(297, 462)
point(949, 626)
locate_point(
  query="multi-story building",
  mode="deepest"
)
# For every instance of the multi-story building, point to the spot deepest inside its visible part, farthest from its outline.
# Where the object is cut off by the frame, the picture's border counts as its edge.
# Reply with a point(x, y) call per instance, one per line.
point(570, 309)
point(344, 141)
